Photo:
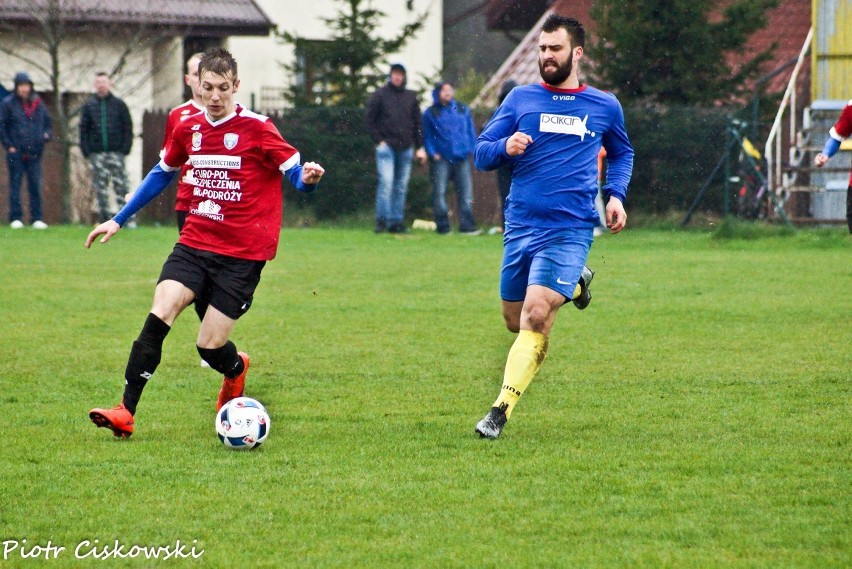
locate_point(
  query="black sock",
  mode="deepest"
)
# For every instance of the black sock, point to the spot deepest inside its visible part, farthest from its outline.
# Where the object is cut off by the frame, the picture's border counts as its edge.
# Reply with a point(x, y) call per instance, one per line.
point(144, 359)
point(224, 359)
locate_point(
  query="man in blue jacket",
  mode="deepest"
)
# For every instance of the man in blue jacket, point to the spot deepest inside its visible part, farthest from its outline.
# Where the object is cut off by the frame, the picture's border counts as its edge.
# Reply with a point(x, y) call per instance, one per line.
point(449, 140)
point(551, 134)
point(24, 128)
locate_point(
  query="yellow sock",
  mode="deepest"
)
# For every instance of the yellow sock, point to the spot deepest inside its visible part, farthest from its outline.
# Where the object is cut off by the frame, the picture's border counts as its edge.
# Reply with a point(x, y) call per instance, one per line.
point(524, 359)
point(577, 290)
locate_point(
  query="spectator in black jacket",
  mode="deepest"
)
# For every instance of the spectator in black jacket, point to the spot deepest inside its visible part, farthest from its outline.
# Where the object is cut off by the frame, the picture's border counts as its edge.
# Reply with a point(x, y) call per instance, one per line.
point(106, 135)
point(393, 121)
point(24, 128)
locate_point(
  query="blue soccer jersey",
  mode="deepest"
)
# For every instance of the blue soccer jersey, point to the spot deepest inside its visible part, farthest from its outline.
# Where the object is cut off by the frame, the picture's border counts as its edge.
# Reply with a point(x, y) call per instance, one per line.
point(555, 181)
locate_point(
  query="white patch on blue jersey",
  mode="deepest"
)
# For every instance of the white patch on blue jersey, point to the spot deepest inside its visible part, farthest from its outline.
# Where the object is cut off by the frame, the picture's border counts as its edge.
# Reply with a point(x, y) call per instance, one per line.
point(563, 124)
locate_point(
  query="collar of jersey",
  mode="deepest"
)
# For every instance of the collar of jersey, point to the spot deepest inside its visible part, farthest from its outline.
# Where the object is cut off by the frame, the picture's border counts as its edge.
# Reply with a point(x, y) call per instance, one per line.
point(222, 120)
point(557, 90)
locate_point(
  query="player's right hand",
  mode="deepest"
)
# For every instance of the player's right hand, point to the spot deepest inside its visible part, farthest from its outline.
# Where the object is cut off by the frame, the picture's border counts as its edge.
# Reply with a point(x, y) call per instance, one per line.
point(820, 160)
point(517, 143)
point(107, 229)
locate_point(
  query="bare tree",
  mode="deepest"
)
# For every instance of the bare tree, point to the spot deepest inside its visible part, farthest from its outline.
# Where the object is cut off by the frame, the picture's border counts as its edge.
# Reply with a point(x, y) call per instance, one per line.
point(50, 37)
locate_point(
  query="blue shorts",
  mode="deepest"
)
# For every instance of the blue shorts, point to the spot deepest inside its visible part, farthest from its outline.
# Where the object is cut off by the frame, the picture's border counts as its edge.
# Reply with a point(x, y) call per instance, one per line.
point(552, 258)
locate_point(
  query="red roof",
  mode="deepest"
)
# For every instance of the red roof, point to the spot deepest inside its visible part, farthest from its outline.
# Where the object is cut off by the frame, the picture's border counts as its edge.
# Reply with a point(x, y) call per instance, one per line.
point(215, 17)
point(788, 25)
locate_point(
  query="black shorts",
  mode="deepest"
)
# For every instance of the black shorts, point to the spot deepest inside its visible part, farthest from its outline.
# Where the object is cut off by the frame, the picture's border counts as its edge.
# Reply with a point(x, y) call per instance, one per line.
point(226, 283)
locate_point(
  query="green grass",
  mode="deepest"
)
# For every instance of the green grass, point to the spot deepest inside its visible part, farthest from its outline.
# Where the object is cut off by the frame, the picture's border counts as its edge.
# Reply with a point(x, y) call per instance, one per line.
point(696, 415)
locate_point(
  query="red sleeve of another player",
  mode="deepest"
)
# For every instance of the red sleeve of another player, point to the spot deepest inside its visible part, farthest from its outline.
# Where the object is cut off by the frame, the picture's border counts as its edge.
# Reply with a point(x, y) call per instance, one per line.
point(170, 127)
point(844, 123)
point(176, 155)
point(277, 150)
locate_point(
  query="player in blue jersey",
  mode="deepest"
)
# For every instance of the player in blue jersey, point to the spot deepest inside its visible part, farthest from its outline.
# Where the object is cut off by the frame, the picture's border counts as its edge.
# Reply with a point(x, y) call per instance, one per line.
point(551, 134)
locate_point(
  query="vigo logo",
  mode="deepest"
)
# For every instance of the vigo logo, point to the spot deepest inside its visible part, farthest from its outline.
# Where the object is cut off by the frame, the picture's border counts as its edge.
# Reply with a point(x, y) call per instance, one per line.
point(563, 124)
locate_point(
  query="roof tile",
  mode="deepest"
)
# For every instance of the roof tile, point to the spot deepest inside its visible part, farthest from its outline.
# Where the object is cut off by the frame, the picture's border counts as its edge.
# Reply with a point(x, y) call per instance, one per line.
point(245, 15)
point(788, 25)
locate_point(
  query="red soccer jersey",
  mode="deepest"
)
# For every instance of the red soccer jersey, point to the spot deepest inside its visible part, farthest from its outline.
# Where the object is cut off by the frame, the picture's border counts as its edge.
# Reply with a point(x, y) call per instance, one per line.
point(176, 115)
point(843, 128)
point(236, 203)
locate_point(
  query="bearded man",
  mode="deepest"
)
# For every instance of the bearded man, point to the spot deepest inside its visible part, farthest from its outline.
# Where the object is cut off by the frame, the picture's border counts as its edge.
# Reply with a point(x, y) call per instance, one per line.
point(550, 134)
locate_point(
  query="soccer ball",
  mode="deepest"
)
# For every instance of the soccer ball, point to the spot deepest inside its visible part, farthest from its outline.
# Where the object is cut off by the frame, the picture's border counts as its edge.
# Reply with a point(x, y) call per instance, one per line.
point(242, 423)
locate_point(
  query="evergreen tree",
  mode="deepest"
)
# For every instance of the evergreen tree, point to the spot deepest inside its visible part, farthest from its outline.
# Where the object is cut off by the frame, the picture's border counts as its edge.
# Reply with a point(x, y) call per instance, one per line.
point(341, 71)
point(676, 51)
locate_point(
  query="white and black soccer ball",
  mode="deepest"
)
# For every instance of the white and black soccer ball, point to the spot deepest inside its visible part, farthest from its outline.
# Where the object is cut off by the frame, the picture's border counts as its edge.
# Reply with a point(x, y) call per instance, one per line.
point(242, 423)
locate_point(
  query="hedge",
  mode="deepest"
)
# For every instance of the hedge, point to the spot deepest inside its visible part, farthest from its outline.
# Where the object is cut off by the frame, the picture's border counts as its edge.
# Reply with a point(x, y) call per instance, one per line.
point(676, 149)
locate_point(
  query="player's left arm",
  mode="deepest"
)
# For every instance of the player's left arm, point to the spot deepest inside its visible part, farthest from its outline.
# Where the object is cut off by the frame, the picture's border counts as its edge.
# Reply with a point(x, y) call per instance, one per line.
point(304, 177)
point(619, 158)
point(838, 133)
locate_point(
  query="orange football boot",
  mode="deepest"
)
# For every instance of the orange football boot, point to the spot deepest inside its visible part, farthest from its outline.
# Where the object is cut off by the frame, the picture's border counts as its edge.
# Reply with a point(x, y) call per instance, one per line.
point(118, 420)
point(232, 388)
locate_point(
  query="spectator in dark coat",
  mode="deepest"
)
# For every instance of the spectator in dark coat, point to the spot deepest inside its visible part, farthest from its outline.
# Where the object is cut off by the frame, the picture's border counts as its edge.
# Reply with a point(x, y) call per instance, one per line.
point(393, 121)
point(24, 128)
point(106, 135)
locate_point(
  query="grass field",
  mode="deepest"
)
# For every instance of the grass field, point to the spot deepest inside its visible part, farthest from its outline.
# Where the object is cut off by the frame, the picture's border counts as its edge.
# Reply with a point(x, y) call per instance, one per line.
point(696, 415)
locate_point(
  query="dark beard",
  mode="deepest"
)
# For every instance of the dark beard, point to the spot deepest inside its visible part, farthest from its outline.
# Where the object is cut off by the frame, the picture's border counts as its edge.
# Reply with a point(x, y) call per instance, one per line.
point(556, 77)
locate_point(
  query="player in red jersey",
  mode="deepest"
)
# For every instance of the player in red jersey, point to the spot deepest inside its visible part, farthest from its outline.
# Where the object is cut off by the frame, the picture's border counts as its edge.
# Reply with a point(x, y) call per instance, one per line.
point(232, 229)
point(841, 130)
point(176, 115)
point(184, 186)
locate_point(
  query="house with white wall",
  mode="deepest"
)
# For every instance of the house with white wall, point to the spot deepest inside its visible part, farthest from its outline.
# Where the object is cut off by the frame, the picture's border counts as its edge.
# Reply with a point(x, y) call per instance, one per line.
point(140, 44)
point(262, 60)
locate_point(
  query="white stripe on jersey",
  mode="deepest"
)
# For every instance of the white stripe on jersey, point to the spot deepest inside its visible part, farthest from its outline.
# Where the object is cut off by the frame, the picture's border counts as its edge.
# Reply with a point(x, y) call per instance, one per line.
point(292, 161)
point(253, 115)
point(166, 167)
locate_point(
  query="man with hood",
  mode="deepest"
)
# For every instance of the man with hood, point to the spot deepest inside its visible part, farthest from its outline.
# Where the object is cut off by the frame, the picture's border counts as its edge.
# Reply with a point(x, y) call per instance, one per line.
point(393, 122)
point(24, 128)
point(449, 138)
